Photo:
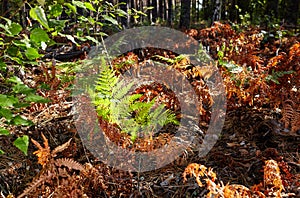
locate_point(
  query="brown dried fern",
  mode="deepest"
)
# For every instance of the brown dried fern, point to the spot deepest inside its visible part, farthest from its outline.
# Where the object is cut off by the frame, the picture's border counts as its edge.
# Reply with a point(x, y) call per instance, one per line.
point(60, 148)
point(43, 153)
point(70, 163)
point(51, 167)
point(271, 187)
point(291, 116)
point(35, 184)
point(272, 180)
point(287, 113)
point(296, 121)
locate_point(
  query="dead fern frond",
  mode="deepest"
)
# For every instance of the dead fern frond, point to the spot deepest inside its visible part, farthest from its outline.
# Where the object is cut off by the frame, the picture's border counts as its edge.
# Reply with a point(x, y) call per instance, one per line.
point(236, 191)
point(198, 171)
point(291, 116)
point(272, 180)
point(296, 121)
point(43, 153)
point(70, 163)
point(52, 173)
point(288, 113)
point(272, 185)
point(35, 184)
point(60, 148)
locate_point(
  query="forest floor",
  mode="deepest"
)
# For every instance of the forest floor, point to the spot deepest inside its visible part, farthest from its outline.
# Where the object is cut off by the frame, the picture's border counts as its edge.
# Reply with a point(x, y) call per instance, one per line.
point(252, 134)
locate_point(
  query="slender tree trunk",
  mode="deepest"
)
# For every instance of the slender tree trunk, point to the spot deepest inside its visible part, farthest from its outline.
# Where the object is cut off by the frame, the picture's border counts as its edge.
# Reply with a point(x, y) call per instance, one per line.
point(149, 14)
point(170, 12)
point(141, 6)
point(198, 10)
point(217, 11)
point(232, 11)
point(292, 11)
point(154, 11)
point(132, 5)
point(185, 14)
point(160, 9)
point(194, 9)
point(207, 9)
point(124, 20)
point(165, 9)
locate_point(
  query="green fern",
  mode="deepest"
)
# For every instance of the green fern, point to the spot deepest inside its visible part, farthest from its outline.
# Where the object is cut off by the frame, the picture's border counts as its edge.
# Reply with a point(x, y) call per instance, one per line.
point(114, 104)
point(102, 93)
point(147, 119)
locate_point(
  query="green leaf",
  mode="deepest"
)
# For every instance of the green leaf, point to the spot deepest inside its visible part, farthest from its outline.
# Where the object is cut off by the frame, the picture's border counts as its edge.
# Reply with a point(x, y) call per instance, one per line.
point(121, 13)
point(57, 24)
point(41, 2)
point(79, 4)
point(4, 131)
point(21, 88)
point(19, 44)
point(4, 101)
point(22, 143)
point(2, 66)
point(15, 29)
point(12, 51)
point(38, 14)
point(89, 6)
point(4, 27)
point(7, 20)
point(21, 105)
point(150, 8)
point(32, 53)
point(1, 152)
point(15, 79)
point(110, 19)
point(91, 20)
point(6, 113)
point(92, 39)
point(71, 38)
point(38, 35)
point(36, 98)
point(71, 7)
point(7, 101)
point(18, 120)
point(56, 10)
point(17, 60)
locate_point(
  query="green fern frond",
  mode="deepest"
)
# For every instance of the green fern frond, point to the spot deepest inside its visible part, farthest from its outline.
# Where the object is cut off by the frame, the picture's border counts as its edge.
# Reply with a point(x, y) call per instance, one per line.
point(161, 116)
point(115, 104)
point(120, 90)
point(142, 110)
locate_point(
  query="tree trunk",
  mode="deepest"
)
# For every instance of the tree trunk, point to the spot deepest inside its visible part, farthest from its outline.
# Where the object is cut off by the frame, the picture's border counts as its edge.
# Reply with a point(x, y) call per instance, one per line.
point(233, 16)
point(165, 9)
point(217, 11)
point(149, 14)
point(160, 8)
point(292, 11)
point(194, 9)
point(170, 12)
point(154, 11)
point(124, 20)
point(208, 9)
point(185, 12)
